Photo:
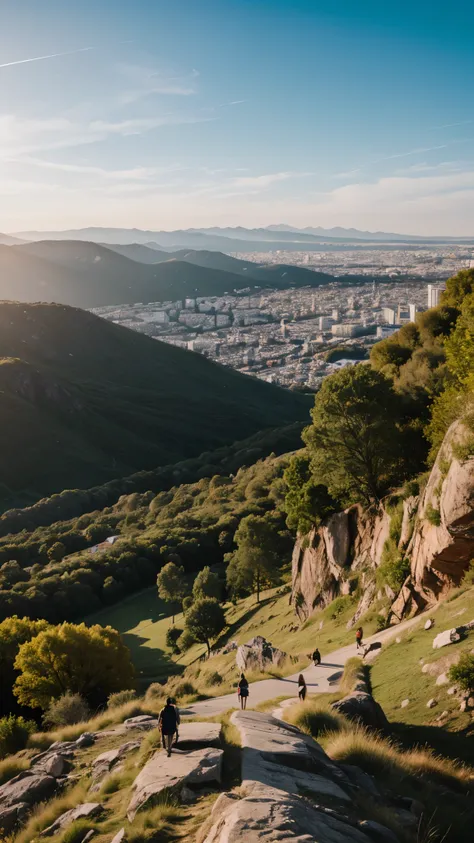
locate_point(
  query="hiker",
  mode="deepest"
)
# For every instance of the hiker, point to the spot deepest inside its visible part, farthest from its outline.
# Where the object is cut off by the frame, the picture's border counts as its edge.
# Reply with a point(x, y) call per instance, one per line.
point(243, 692)
point(168, 722)
point(302, 689)
point(316, 657)
point(359, 635)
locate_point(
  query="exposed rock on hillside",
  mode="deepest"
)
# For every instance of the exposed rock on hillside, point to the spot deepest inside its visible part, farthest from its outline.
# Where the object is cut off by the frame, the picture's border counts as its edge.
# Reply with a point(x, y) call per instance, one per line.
point(437, 536)
point(323, 560)
point(280, 767)
point(258, 654)
point(443, 540)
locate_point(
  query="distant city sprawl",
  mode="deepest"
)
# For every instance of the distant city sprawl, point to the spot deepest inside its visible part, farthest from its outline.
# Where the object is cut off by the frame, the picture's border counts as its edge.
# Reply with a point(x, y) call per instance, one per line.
point(296, 337)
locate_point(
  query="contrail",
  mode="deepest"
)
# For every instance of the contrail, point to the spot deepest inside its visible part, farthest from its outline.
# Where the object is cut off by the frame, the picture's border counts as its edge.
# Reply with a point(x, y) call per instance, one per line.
point(43, 58)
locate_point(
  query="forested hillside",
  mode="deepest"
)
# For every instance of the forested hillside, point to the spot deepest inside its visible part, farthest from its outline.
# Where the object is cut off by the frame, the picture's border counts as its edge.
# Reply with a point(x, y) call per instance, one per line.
point(84, 401)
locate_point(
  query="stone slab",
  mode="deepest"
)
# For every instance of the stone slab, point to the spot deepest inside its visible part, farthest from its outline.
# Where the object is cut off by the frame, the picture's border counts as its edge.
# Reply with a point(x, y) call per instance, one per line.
point(199, 734)
point(88, 810)
point(27, 787)
point(162, 773)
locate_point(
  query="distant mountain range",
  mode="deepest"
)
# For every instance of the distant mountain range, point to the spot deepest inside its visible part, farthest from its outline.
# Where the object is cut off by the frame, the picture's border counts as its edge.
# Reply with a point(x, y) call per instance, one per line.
point(237, 239)
point(88, 275)
point(83, 401)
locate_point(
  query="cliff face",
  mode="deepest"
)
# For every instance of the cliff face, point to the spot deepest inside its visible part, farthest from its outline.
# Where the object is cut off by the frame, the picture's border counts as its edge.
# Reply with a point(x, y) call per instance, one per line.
point(324, 559)
point(442, 544)
point(437, 536)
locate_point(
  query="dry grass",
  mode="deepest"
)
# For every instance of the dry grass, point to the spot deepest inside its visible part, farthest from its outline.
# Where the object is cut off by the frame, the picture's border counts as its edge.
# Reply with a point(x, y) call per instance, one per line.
point(10, 767)
point(353, 672)
point(316, 718)
point(46, 813)
point(157, 824)
point(42, 740)
point(381, 757)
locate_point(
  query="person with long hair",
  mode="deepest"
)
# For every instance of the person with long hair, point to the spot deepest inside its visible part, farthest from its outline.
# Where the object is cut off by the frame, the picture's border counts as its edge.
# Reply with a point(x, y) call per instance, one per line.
point(302, 688)
point(243, 692)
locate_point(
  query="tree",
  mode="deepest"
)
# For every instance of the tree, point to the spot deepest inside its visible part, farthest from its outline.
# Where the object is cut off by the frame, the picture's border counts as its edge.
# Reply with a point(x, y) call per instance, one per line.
point(458, 287)
point(172, 586)
point(355, 442)
point(255, 563)
point(56, 552)
point(205, 620)
point(306, 503)
point(90, 661)
point(463, 673)
point(207, 584)
point(14, 632)
point(460, 346)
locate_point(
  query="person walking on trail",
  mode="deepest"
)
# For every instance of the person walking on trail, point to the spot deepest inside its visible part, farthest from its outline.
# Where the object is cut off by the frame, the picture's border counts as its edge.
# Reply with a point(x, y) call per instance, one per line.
point(359, 636)
point(168, 722)
point(316, 657)
point(302, 689)
point(243, 692)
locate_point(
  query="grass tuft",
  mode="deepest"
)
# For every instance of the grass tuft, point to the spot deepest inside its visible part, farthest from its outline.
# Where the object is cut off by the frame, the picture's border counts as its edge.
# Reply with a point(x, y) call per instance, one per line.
point(316, 719)
point(10, 767)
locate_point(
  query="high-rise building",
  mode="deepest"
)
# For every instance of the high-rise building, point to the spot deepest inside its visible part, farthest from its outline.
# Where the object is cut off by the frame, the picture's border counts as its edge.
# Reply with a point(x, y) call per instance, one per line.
point(434, 295)
point(389, 315)
point(413, 309)
point(324, 323)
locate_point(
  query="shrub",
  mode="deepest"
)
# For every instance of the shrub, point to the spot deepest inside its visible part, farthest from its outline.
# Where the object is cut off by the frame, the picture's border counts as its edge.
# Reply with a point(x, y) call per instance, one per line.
point(463, 673)
point(186, 641)
point(339, 606)
point(155, 692)
point(10, 767)
point(14, 734)
point(433, 515)
point(184, 689)
point(172, 636)
point(213, 679)
point(121, 698)
point(394, 567)
point(66, 711)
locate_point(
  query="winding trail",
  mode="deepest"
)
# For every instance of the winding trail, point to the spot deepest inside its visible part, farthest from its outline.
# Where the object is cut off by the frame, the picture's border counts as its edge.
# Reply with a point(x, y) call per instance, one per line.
point(320, 680)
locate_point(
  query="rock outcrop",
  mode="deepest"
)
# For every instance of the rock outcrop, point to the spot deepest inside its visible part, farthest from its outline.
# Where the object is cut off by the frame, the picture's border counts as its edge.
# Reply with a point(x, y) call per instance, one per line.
point(88, 810)
point(164, 774)
point(258, 654)
point(442, 544)
point(324, 559)
point(281, 768)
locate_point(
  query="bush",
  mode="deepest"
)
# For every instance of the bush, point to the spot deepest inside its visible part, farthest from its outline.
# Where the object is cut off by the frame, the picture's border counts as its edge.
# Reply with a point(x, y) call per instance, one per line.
point(463, 673)
point(172, 636)
point(339, 606)
point(213, 679)
point(14, 734)
point(121, 698)
point(184, 689)
point(186, 641)
point(66, 711)
point(155, 692)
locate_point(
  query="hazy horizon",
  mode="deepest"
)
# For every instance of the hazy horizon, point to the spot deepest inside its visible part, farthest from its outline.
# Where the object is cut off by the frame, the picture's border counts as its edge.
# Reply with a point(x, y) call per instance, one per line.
point(165, 116)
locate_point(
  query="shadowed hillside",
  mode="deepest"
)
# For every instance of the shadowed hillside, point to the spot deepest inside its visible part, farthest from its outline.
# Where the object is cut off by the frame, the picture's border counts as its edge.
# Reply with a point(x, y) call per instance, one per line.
point(84, 400)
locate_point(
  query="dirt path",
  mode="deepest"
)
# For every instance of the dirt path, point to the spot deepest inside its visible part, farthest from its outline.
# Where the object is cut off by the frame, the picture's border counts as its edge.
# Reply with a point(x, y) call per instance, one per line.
point(320, 680)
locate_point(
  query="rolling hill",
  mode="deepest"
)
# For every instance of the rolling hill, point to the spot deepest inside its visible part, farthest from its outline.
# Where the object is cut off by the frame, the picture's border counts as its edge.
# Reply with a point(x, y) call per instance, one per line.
point(83, 400)
point(89, 275)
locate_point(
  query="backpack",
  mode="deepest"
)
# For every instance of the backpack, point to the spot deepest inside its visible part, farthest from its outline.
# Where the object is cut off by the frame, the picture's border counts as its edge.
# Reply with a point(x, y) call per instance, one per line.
point(168, 719)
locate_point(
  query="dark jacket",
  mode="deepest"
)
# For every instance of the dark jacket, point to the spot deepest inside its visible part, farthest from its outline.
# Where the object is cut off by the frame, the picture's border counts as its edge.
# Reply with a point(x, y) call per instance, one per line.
point(169, 719)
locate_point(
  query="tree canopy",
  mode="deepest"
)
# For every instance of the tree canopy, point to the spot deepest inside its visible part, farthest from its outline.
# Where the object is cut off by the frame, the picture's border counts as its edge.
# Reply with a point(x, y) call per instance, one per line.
point(207, 584)
point(91, 661)
point(256, 562)
point(354, 441)
point(172, 585)
point(307, 503)
point(205, 620)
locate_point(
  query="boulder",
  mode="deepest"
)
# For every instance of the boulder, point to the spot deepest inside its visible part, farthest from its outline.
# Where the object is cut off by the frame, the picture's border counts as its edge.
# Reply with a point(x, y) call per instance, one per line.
point(163, 773)
point(192, 735)
point(442, 679)
point(452, 690)
point(85, 740)
point(28, 787)
point(276, 815)
point(13, 816)
point(449, 636)
point(361, 707)
point(187, 796)
point(142, 721)
point(88, 810)
point(258, 654)
point(429, 624)
point(404, 703)
point(107, 761)
point(431, 703)
point(119, 837)
point(55, 765)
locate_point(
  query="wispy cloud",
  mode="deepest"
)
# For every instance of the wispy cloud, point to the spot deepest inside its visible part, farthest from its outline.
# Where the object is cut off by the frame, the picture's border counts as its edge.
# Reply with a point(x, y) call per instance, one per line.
point(451, 125)
point(44, 58)
point(264, 180)
point(142, 82)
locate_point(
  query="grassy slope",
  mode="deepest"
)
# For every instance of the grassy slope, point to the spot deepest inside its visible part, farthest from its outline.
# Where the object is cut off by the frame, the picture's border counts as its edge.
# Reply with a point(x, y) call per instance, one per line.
point(108, 401)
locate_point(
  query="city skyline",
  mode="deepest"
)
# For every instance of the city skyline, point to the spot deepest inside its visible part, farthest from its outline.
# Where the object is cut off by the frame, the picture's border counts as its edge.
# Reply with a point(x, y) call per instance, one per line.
point(168, 116)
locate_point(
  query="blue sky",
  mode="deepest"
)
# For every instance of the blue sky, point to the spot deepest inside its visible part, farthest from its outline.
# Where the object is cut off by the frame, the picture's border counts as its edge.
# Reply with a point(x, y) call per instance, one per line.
point(182, 113)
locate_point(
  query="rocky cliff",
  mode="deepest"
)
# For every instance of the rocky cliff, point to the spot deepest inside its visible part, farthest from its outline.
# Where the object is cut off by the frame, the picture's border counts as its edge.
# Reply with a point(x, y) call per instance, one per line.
point(442, 544)
point(324, 560)
point(436, 536)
